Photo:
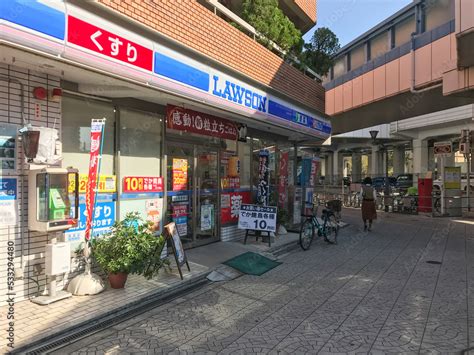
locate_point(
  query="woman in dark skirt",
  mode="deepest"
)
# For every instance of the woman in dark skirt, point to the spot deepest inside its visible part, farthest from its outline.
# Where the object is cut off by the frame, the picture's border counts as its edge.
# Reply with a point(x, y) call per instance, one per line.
point(368, 195)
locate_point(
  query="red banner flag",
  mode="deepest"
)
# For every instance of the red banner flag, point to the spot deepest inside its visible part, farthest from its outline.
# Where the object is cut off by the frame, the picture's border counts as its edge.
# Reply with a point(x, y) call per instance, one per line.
point(283, 181)
point(97, 128)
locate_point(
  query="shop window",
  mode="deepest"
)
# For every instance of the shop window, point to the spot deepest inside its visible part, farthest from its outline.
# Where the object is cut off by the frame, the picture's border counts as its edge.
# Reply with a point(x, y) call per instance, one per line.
point(140, 143)
point(437, 13)
point(403, 31)
point(76, 127)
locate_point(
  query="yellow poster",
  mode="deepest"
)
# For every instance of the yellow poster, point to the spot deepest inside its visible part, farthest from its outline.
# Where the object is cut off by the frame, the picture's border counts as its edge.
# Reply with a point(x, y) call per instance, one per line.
point(107, 183)
point(180, 174)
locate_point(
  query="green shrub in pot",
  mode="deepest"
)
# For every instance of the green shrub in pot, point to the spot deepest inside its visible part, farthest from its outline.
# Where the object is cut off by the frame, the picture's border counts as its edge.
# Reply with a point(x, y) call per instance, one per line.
point(130, 248)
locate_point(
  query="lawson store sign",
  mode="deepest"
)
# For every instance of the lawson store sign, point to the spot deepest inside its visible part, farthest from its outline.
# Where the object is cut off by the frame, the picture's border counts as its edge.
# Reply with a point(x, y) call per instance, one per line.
point(73, 33)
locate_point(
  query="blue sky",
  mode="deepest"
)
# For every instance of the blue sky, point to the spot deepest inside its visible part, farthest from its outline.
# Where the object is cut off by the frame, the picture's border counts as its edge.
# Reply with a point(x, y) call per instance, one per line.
point(350, 18)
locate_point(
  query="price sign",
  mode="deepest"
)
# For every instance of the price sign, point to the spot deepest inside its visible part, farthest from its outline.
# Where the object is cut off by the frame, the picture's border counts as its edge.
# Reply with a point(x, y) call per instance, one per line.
point(142, 184)
point(259, 218)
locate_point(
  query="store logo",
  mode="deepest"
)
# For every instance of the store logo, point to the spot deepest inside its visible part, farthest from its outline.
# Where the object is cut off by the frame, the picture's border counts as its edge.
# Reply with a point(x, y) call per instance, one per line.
point(239, 94)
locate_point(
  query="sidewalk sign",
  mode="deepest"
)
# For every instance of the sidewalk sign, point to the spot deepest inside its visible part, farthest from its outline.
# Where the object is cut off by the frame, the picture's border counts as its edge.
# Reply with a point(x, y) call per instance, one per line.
point(178, 250)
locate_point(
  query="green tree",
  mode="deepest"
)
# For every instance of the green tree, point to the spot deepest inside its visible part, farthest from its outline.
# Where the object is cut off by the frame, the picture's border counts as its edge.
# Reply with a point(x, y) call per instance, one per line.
point(319, 53)
point(271, 22)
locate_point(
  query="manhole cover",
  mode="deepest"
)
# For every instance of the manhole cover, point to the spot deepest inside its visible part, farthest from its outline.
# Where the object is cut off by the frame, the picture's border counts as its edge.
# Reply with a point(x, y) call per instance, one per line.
point(434, 262)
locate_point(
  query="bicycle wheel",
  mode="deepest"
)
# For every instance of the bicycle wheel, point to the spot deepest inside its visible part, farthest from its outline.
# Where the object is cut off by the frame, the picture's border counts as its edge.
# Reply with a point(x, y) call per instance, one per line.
point(306, 234)
point(331, 230)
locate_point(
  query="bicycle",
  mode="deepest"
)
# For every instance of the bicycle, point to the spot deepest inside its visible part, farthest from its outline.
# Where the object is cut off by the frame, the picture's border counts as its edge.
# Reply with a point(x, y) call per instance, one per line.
point(329, 229)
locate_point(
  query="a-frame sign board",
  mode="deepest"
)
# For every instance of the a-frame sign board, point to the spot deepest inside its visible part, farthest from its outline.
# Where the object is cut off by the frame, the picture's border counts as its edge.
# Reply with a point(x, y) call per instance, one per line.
point(172, 234)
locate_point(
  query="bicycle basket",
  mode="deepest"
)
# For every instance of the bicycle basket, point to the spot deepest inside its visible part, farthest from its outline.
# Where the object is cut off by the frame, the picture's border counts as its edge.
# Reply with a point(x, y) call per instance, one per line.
point(334, 205)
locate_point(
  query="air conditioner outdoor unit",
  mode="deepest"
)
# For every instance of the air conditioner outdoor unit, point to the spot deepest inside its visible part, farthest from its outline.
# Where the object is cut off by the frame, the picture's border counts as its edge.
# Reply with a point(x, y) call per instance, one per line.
point(57, 258)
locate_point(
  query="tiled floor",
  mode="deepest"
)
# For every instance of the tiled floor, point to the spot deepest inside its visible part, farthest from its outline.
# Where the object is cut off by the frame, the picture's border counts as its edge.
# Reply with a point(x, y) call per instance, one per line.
point(33, 321)
point(375, 292)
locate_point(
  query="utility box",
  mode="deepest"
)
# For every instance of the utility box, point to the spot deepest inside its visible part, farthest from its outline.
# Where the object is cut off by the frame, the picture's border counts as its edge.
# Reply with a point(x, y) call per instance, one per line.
point(57, 258)
point(53, 195)
point(425, 190)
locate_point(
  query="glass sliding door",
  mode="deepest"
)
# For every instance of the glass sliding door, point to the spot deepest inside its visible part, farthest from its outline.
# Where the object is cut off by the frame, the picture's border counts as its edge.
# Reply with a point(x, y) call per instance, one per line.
point(180, 206)
point(207, 193)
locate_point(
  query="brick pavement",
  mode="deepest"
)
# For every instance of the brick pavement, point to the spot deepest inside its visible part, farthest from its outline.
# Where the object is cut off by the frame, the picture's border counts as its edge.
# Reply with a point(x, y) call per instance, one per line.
point(372, 293)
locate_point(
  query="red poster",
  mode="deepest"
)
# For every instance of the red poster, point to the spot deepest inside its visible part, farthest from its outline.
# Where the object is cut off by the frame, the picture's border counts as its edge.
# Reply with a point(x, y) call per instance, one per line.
point(201, 123)
point(97, 128)
point(180, 210)
point(283, 181)
point(109, 44)
point(230, 205)
point(140, 184)
point(314, 172)
point(180, 174)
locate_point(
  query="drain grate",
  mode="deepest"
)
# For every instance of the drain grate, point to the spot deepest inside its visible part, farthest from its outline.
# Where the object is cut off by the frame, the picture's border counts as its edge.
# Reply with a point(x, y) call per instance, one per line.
point(434, 262)
point(107, 320)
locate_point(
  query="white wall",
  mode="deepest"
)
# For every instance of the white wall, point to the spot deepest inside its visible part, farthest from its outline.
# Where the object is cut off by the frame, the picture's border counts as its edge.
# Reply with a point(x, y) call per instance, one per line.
point(10, 113)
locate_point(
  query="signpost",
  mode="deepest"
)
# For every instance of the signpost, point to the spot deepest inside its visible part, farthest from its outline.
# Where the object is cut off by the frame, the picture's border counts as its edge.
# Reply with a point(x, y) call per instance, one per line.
point(257, 219)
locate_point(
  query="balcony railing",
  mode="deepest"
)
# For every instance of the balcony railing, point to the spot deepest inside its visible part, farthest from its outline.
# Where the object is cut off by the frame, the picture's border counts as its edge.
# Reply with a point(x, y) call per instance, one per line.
point(253, 33)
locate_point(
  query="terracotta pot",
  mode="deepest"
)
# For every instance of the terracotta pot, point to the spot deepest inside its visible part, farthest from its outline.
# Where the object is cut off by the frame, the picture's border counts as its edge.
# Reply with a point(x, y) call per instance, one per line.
point(118, 280)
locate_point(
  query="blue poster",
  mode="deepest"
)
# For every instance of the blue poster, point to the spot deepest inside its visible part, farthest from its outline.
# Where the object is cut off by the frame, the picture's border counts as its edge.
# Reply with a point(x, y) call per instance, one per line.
point(104, 218)
point(8, 203)
point(8, 189)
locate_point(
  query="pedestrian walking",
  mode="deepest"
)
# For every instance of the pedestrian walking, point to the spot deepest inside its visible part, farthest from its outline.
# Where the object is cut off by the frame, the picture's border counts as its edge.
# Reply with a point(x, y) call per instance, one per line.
point(369, 212)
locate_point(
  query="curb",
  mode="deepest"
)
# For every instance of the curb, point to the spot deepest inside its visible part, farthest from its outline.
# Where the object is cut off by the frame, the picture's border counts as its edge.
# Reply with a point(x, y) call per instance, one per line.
point(86, 328)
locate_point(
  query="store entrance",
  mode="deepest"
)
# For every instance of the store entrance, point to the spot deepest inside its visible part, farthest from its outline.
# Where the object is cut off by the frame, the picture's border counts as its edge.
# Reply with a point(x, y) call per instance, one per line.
point(193, 192)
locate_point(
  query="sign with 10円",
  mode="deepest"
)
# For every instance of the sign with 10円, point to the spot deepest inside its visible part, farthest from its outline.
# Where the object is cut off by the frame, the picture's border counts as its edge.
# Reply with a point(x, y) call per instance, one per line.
point(258, 218)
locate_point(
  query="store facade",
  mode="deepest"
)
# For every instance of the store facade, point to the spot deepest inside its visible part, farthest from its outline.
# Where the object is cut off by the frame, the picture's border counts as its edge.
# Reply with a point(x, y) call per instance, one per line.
point(184, 137)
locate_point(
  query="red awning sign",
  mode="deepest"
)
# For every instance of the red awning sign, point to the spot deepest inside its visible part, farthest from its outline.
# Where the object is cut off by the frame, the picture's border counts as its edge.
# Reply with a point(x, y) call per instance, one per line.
point(98, 40)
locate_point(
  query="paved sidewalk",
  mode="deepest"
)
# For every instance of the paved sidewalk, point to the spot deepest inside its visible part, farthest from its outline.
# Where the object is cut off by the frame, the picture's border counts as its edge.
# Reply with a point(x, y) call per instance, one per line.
point(34, 322)
point(406, 287)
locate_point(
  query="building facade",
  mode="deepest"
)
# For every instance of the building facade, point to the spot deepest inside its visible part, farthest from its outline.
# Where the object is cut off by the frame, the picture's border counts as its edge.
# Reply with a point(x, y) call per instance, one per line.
point(191, 105)
point(412, 74)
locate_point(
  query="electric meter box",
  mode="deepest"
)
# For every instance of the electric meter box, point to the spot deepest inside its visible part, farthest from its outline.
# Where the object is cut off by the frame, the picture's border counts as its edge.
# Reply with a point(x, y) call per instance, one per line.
point(53, 195)
point(57, 258)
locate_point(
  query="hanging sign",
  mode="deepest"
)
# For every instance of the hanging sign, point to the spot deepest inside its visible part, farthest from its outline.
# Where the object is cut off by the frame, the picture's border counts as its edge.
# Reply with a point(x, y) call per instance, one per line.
point(97, 130)
point(263, 188)
point(180, 174)
point(259, 218)
point(201, 123)
point(96, 39)
point(283, 179)
point(141, 184)
point(8, 202)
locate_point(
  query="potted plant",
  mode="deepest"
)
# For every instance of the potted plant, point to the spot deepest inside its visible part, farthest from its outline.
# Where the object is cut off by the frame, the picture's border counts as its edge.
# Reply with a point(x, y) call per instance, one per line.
point(282, 219)
point(130, 248)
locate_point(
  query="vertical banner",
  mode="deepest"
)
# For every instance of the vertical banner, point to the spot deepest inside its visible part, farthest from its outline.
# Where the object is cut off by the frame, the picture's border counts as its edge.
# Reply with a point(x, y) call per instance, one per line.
point(8, 202)
point(283, 179)
point(314, 172)
point(97, 130)
point(263, 189)
point(180, 174)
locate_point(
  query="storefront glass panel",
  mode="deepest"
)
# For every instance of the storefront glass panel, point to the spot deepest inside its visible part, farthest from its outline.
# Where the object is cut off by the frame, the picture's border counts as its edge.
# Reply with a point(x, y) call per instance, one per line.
point(140, 164)
point(180, 168)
